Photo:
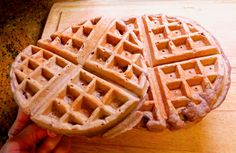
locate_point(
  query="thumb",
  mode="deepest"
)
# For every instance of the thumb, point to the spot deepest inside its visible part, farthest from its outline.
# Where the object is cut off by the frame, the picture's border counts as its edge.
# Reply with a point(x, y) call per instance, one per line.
point(21, 122)
point(29, 137)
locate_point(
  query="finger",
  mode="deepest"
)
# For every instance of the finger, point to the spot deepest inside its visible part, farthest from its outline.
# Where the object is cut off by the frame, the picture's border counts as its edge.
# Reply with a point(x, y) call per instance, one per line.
point(30, 136)
point(63, 146)
point(20, 123)
point(49, 144)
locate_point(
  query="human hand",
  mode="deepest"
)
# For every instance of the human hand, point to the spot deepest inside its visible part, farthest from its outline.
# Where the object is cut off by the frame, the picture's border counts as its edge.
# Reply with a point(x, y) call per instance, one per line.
point(27, 137)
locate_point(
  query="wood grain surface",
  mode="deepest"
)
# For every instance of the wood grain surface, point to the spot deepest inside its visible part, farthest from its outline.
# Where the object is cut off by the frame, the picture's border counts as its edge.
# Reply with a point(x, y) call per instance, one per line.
point(216, 133)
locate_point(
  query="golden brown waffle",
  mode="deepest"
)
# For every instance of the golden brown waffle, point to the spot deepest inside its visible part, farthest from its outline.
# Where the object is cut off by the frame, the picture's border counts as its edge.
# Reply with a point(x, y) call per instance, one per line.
point(109, 75)
point(174, 39)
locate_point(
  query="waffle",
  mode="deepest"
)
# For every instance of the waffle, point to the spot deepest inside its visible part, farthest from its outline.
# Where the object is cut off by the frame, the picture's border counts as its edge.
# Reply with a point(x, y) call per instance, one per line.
point(105, 76)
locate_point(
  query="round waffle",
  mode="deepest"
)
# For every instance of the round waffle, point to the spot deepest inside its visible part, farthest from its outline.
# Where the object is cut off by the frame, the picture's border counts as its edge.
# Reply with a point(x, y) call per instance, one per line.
point(108, 75)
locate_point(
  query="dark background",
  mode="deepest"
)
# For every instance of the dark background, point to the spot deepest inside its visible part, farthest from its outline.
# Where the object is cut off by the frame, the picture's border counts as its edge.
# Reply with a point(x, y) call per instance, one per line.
point(21, 24)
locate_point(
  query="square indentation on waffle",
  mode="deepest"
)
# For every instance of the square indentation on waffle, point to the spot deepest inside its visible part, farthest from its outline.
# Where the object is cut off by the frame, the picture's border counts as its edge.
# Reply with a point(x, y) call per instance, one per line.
point(197, 84)
point(42, 76)
point(102, 114)
point(199, 40)
point(177, 94)
point(82, 80)
point(110, 41)
point(98, 89)
point(118, 29)
point(134, 38)
point(159, 33)
point(101, 55)
point(176, 89)
point(56, 110)
point(176, 30)
point(192, 29)
point(212, 78)
point(191, 68)
point(69, 94)
point(182, 44)
point(164, 48)
point(87, 29)
point(22, 58)
point(129, 50)
point(119, 64)
point(131, 23)
point(85, 105)
point(139, 61)
point(28, 66)
point(19, 76)
point(28, 89)
point(134, 74)
point(171, 72)
point(95, 20)
point(155, 21)
point(56, 64)
point(76, 118)
point(115, 99)
point(210, 65)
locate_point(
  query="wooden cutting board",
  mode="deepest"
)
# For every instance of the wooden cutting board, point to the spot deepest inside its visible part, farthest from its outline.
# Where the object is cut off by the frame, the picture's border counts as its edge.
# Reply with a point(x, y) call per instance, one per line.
point(216, 133)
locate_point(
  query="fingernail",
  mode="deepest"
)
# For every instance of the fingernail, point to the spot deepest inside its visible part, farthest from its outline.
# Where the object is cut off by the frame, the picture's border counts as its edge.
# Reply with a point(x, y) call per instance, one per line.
point(10, 135)
point(51, 134)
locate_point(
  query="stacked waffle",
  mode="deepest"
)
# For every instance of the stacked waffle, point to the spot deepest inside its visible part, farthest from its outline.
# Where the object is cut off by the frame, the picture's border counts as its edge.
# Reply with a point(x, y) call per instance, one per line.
point(105, 76)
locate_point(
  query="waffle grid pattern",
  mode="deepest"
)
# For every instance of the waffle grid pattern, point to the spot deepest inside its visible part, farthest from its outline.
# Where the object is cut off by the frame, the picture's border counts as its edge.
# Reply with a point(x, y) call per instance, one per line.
point(173, 78)
point(119, 54)
point(36, 68)
point(173, 40)
point(183, 83)
point(87, 101)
